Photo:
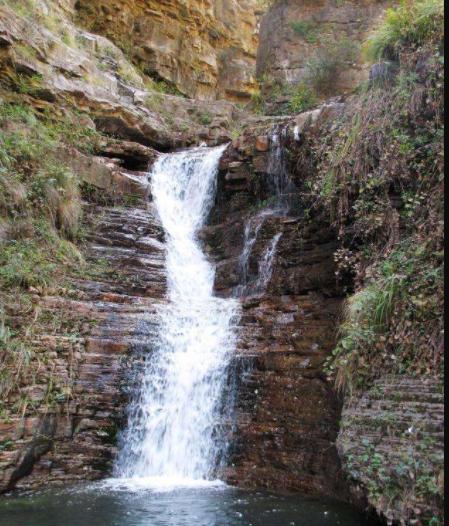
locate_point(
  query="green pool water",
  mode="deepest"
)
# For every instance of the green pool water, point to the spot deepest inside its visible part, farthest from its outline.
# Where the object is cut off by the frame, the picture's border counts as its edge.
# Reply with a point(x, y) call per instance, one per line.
point(103, 505)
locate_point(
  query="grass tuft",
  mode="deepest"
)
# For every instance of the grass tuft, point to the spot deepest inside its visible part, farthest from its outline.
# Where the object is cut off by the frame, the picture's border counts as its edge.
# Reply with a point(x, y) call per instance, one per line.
point(413, 22)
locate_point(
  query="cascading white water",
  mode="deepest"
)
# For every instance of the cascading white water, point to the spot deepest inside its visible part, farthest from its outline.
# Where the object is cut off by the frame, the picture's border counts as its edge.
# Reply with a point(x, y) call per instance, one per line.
point(173, 430)
point(280, 184)
point(252, 229)
point(266, 265)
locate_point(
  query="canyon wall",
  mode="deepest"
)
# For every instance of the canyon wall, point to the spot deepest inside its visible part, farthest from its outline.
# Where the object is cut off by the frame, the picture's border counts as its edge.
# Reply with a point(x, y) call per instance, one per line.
point(206, 50)
point(60, 420)
point(286, 411)
point(295, 31)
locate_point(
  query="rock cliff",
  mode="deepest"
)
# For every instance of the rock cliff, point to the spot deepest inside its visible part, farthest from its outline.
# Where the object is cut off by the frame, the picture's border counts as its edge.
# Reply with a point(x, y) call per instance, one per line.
point(318, 43)
point(56, 62)
point(90, 93)
point(206, 50)
point(285, 406)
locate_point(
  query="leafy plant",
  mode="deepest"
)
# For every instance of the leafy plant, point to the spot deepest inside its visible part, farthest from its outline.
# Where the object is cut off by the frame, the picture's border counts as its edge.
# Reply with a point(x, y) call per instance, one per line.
point(306, 29)
point(205, 118)
point(326, 66)
point(413, 22)
point(302, 99)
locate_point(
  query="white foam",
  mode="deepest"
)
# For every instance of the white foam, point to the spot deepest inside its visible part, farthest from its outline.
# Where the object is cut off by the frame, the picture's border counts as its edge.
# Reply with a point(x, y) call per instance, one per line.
point(174, 438)
point(158, 484)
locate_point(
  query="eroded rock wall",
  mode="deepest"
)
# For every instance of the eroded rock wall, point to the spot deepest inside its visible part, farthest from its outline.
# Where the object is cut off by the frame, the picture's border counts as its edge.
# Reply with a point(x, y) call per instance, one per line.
point(392, 444)
point(89, 334)
point(286, 412)
point(206, 49)
point(52, 62)
point(293, 30)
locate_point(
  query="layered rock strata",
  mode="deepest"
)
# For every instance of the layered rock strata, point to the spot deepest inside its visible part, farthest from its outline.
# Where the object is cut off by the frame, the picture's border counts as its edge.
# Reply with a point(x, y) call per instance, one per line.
point(392, 443)
point(91, 332)
point(207, 50)
point(287, 413)
point(48, 59)
point(294, 30)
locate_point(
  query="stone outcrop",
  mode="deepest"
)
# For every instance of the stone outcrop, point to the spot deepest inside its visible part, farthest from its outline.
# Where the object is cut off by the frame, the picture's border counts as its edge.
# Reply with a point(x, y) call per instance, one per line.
point(284, 51)
point(55, 63)
point(392, 445)
point(90, 332)
point(207, 50)
point(286, 413)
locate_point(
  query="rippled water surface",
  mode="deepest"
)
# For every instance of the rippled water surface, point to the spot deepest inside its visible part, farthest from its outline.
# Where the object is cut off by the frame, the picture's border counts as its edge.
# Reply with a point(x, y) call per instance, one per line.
point(101, 505)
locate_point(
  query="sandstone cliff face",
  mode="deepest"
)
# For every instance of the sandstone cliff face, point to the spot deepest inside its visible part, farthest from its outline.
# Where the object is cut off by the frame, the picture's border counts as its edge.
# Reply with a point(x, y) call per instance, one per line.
point(206, 50)
point(293, 30)
point(44, 56)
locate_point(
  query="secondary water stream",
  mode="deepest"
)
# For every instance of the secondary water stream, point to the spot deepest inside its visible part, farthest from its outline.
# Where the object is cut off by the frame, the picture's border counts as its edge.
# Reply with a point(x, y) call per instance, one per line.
point(279, 186)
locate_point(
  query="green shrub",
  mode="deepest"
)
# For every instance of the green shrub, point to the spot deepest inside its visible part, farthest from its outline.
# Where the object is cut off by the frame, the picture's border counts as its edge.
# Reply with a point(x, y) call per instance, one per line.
point(27, 84)
point(306, 29)
point(405, 285)
point(15, 359)
point(368, 315)
point(258, 102)
point(161, 86)
point(205, 118)
point(413, 22)
point(326, 66)
point(302, 99)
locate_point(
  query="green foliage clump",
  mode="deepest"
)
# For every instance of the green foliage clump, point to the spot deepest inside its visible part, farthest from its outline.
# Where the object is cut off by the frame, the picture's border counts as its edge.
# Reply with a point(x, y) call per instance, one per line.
point(393, 321)
point(379, 176)
point(258, 102)
point(303, 99)
point(328, 63)
point(15, 359)
point(306, 29)
point(413, 22)
point(265, 4)
point(205, 118)
point(40, 201)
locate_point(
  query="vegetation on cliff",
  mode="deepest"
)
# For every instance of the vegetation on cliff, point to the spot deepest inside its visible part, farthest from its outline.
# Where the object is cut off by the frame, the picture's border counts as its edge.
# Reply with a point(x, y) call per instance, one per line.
point(40, 230)
point(379, 174)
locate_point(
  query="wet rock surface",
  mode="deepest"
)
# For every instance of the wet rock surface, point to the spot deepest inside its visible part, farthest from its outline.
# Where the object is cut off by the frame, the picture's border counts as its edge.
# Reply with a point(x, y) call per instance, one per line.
point(110, 314)
point(287, 414)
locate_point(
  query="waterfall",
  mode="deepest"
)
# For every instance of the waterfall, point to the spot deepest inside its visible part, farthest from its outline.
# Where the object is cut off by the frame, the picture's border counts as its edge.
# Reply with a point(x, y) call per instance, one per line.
point(266, 266)
point(280, 185)
point(252, 229)
point(279, 180)
point(173, 435)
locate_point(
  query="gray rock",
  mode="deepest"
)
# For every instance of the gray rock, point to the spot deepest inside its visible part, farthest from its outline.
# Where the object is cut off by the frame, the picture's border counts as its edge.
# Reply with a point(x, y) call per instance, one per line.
point(382, 73)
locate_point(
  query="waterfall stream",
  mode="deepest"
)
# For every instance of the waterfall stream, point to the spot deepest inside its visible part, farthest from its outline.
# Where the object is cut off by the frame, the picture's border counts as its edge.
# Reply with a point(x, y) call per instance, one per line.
point(280, 186)
point(173, 435)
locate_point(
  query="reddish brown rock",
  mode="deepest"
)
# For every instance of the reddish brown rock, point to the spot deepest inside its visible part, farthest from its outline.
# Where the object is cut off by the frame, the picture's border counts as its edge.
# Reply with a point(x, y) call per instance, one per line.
point(287, 413)
point(73, 437)
point(262, 143)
